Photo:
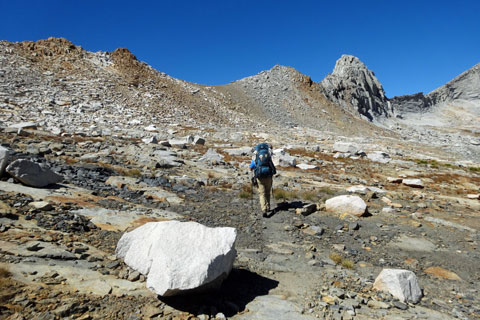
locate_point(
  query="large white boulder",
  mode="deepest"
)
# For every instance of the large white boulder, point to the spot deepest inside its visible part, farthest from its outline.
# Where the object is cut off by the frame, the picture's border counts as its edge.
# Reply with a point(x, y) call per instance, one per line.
point(346, 204)
point(179, 256)
point(402, 284)
point(4, 154)
point(32, 174)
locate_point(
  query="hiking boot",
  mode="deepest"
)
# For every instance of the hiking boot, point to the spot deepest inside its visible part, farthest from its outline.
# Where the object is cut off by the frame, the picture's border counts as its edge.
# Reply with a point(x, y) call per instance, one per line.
point(265, 214)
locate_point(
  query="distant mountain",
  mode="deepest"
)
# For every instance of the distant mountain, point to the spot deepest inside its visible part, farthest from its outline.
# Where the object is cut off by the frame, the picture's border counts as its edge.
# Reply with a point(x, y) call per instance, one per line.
point(465, 87)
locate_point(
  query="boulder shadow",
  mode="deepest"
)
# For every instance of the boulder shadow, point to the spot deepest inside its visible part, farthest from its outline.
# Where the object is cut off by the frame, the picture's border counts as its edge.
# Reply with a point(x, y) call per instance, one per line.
point(240, 288)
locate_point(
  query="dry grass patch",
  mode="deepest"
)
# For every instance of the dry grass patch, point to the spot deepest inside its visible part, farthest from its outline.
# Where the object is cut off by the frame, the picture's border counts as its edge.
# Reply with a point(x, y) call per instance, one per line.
point(311, 196)
point(282, 194)
point(6, 284)
point(339, 260)
point(246, 191)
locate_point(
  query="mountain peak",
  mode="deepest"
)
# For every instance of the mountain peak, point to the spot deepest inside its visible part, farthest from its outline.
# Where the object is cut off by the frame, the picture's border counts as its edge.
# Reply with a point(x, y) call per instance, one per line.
point(352, 84)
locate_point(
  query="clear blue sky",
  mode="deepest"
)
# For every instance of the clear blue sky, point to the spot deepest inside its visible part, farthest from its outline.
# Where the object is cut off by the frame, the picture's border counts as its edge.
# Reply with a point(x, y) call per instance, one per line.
point(410, 45)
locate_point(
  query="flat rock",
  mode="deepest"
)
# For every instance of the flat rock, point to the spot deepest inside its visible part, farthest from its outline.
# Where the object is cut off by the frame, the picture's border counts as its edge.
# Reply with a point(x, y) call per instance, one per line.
point(272, 307)
point(38, 249)
point(32, 174)
point(80, 277)
point(345, 147)
point(23, 125)
point(179, 256)
point(407, 243)
point(402, 284)
point(238, 152)
point(166, 159)
point(116, 220)
point(305, 166)
point(414, 183)
point(449, 224)
point(364, 189)
point(347, 204)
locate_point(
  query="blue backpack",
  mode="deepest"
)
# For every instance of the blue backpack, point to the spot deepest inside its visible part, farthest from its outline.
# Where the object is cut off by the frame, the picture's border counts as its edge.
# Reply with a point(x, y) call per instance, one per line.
point(263, 161)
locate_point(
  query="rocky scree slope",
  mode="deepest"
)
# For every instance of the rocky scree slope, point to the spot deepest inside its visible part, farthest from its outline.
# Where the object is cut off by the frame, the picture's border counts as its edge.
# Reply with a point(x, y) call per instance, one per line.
point(49, 78)
point(284, 97)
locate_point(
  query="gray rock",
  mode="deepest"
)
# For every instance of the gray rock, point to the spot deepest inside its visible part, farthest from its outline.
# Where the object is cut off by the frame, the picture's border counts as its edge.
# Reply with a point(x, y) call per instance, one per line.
point(198, 140)
point(4, 157)
point(32, 174)
point(407, 243)
point(178, 143)
point(379, 156)
point(150, 140)
point(238, 152)
point(284, 160)
point(211, 156)
point(402, 284)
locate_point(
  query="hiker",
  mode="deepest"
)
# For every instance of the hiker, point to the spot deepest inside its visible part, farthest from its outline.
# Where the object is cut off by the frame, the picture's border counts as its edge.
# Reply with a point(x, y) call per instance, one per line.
point(263, 169)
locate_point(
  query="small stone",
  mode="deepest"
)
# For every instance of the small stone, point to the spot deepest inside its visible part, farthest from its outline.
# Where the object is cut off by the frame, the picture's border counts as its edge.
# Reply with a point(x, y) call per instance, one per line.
point(374, 304)
point(400, 305)
point(41, 205)
point(354, 226)
point(113, 265)
point(134, 276)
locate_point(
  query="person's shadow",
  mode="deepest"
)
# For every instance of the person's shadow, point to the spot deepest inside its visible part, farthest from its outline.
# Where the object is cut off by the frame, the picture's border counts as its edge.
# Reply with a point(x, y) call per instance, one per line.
point(240, 288)
point(284, 206)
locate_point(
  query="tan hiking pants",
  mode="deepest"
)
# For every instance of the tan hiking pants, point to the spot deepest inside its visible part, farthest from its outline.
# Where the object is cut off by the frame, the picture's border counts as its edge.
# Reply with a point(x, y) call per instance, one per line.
point(264, 191)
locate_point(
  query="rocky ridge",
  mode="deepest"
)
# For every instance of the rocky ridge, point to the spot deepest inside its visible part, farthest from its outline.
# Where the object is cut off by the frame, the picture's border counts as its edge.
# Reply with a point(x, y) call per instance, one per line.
point(353, 86)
